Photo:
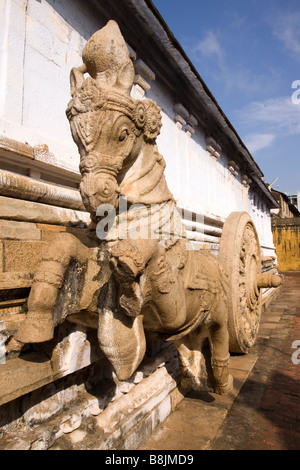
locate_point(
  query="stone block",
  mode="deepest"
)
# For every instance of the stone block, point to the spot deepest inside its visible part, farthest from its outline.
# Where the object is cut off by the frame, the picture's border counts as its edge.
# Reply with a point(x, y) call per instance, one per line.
point(32, 189)
point(18, 377)
point(10, 229)
point(73, 353)
point(49, 231)
point(22, 255)
point(176, 397)
point(15, 147)
point(1, 258)
point(29, 211)
point(15, 280)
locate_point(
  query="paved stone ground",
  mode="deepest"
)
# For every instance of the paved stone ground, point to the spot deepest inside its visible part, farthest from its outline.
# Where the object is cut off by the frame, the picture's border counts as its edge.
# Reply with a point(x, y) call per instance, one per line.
point(263, 411)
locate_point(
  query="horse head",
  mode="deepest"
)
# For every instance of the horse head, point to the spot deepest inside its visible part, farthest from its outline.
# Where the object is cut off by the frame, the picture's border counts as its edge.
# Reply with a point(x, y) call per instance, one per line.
point(109, 127)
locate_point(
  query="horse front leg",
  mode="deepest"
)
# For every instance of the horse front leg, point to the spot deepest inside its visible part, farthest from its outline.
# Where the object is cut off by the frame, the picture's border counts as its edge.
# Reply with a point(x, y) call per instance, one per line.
point(47, 283)
point(190, 357)
point(219, 336)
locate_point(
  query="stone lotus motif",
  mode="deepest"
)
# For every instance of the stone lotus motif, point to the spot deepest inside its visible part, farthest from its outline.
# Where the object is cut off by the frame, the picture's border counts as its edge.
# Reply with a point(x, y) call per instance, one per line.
point(127, 285)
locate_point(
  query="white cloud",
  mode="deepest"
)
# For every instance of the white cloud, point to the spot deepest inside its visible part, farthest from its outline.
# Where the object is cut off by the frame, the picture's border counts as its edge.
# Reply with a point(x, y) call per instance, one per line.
point(242, 79)
point(255, 142)
point(277, 115)
point(233, 76)
point(209, 45)
point(286, 28)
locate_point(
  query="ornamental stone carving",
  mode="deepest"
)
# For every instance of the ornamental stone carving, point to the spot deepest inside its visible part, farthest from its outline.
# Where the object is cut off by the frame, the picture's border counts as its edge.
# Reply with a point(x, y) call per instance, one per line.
point(137, 274)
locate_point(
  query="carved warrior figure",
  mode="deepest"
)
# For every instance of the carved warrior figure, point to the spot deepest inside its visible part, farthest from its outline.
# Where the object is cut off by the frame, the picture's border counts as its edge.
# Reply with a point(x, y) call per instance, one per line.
point(129, 285)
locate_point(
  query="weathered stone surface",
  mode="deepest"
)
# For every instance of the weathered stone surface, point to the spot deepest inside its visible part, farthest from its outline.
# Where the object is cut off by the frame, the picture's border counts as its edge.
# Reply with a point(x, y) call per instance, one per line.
point(48, 231)
point(1, 257)
point(128, 419)
point(19, 377)
point(23, 187)
point(52, 417)
point(146, 395)
point(10, 229)
point(15, 147)
point(22, 255)
point(15, 280)
point(28, 211)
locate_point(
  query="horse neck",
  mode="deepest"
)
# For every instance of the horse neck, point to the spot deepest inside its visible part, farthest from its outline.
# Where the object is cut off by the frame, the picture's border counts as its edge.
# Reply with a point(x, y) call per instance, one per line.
point(144, 182)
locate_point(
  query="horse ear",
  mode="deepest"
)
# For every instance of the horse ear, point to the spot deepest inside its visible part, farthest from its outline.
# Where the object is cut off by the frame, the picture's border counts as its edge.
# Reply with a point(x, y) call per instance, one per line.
point(125, 77)
point(77, 78)
point(153, 120)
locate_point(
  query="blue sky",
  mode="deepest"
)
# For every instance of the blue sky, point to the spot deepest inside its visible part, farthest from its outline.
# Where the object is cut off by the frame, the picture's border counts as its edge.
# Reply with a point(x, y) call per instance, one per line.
point(248, 54)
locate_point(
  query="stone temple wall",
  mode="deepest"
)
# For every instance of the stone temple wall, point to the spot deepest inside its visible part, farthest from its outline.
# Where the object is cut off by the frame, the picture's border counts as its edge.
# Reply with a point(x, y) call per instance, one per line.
point(53, 394)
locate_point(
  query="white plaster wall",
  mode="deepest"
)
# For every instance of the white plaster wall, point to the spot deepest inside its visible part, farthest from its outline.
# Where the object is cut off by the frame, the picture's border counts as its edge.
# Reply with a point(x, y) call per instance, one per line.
point(38, 49)
point(199, 182)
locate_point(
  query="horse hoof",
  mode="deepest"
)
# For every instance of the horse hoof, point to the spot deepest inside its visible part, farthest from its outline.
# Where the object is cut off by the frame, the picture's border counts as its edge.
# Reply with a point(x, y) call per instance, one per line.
point(224, 389)
point(37, 329)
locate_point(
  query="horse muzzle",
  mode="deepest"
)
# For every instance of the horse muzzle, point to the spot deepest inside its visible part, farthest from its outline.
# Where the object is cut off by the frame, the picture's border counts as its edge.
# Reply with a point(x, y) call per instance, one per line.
point(98, 189)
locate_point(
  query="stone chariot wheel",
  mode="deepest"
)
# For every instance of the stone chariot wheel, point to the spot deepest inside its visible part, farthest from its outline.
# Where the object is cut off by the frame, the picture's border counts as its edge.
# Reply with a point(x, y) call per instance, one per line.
point(240, 256)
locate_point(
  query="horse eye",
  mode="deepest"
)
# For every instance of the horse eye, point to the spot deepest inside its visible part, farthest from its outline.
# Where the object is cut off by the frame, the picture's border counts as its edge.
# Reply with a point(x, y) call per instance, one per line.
point(82, 169)
point(124, 133)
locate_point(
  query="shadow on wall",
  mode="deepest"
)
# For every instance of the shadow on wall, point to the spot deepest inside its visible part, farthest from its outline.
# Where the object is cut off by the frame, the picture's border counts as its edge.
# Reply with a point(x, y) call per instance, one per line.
point(79, 15)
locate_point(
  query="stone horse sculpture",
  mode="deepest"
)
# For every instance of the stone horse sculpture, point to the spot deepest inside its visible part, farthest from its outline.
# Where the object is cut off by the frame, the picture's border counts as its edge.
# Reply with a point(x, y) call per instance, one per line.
point(122, 283)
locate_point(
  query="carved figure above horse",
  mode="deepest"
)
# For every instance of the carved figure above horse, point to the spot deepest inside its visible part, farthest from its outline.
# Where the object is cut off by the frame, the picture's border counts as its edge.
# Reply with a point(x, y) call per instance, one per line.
point(142, 274)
